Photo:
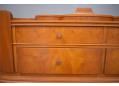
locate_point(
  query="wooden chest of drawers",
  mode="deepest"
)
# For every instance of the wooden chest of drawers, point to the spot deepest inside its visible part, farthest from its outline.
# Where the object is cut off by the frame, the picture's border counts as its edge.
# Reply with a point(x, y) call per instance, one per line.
point(81, 47)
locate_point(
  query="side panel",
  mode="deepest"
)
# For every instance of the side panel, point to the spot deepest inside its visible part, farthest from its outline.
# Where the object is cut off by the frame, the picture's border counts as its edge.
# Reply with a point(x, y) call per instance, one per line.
point(112, 62)
point(6, 56)
point(113, 36)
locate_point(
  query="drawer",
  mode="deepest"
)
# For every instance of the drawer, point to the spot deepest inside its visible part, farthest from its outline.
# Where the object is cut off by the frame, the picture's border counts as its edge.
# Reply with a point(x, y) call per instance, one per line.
point(112, 61)
point(113, 36)
point(58, 35)
point(59, 60)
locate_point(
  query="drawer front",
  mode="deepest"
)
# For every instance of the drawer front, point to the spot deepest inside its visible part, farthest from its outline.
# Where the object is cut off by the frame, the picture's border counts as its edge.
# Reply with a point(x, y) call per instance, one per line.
point(112, 61)
point(113, 36)
point(58, 35)
point(59, 60)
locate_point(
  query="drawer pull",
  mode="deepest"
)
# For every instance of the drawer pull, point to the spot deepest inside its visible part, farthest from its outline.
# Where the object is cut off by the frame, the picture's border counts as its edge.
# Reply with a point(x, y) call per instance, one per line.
point(58, 62)
point(59, 35)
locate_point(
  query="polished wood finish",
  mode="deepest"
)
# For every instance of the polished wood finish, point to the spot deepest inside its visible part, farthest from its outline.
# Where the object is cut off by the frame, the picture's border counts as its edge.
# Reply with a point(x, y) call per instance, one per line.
point(84, 10)
point(46, 78)
point(116, 18)
point(79, 47)
point(113, 35)
point(6, 54)
point(59, 60)
point(112, 61)
point(81, 17)
point(59, 35)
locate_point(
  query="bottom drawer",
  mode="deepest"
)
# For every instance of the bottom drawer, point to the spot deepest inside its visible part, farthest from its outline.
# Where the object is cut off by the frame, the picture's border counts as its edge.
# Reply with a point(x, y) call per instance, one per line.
point(59, 60)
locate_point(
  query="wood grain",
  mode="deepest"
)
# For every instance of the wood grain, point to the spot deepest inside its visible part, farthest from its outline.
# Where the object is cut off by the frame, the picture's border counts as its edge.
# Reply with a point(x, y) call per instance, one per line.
point(112, 61)
point(59, 60)
point(113, 35)
point(79, 47)
point(6, 54)
point(59, 35)
point(61, 79)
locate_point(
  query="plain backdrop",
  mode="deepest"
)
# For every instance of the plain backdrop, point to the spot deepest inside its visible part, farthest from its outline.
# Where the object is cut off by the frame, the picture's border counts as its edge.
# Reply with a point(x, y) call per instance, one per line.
point(29, 11)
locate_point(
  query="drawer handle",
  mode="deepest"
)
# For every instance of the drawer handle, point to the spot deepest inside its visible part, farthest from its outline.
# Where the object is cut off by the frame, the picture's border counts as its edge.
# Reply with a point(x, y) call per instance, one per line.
point(58, 62)
point(59, 35)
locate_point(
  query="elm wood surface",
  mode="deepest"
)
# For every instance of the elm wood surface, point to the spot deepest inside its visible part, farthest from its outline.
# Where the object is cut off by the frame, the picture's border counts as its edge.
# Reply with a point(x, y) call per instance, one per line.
point(50, 45)
point(58, 17)
point(6, 54)
point(113, 35)
point(13, 78)
point(59, 60)
point(59, 35)
point(112, 61)
point(116, 18)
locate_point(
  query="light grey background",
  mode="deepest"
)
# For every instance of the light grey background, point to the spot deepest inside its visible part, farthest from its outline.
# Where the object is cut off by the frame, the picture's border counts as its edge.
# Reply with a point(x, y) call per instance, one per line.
point(29, 11)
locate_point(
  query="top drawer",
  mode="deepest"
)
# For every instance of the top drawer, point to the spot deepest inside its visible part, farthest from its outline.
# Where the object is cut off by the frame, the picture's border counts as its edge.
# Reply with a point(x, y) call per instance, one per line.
point(58, 35)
